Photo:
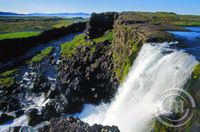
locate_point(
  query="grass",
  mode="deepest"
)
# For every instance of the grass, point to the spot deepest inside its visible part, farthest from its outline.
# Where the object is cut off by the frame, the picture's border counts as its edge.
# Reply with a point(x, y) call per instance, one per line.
point(107, 36)
point(196, 72)
point(9, 73)
point(163, 17)
point(187, 24)
point(67, 49)
point(62, 23)
point(22, 24)
point(44, 53)
point(7, 82)
point(18, 35)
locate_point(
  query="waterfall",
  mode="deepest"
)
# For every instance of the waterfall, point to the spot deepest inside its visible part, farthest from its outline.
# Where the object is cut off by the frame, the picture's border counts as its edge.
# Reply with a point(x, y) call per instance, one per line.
point(156, 69)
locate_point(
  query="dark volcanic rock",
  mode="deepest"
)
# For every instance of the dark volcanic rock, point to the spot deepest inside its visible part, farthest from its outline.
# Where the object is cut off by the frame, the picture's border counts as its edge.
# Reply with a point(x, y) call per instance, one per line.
point(87, 77)
point(50, 111)
point(75, 125)
point(9, 103)
point(34, 117)
point(4, 118)
point(100, 23)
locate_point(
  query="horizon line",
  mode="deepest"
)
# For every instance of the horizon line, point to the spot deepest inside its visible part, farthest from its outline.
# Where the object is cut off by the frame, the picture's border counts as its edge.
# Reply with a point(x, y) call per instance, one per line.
point(26, 13)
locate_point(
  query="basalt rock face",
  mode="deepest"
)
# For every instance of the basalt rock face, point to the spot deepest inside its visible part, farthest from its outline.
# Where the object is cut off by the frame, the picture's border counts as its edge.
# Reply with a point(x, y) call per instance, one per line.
point(75, 125)
point(100, 23)
point(87, 77)
point(130, 32)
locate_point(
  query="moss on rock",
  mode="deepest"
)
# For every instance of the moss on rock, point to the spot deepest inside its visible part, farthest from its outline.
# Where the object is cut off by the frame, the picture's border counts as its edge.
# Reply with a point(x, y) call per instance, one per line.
point(9, 73)
point(68, 48)
point(44, 53)
point(7, 82)
point(196, 73)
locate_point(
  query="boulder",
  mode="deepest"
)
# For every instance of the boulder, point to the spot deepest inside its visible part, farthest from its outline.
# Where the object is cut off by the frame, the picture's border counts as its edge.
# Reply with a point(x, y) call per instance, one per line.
point(75, 125)
point(34, 117)
point(5, 118)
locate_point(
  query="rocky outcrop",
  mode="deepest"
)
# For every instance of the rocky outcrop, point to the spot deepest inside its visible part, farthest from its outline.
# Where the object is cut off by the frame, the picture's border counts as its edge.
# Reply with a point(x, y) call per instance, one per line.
point(99, 24)
point(131, 30)
point(87, 77)
point(75, 125)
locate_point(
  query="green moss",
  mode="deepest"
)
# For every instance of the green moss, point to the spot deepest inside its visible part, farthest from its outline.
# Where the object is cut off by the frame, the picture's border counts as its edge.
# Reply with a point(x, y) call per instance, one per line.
point(44, 53)
point(196, 73)
point(8, 73)
point(67, 49)
point(107, 36)
point(18, 35)
point(125, 50)
point(7, 82)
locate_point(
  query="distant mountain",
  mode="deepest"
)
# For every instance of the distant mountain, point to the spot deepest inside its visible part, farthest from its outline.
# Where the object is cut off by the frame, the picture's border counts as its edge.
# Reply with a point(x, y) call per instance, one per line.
point(81, 14)
point(58, 14)
point(8, 13)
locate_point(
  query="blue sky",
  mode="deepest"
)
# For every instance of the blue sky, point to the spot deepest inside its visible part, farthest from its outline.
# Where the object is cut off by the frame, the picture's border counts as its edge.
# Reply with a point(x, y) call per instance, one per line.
point(55, 6)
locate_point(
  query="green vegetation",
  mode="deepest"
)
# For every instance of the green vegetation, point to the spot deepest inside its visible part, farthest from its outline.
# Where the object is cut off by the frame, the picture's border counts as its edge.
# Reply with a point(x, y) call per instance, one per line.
point(9, 73)
point(62, 23)
point(44, 53)
point(125, 49)
point(107, 36)
point(24, 24)
point(123, 71)
point(162, 18)
point(196, 73)
point(7, 82)
point(187, 24)
point(67, 49)
point(18, 35)
point(7, 78)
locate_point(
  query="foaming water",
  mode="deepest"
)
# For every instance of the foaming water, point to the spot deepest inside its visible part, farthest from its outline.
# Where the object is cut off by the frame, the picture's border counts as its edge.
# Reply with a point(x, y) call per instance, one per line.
point(156, 69)
point(21, 121)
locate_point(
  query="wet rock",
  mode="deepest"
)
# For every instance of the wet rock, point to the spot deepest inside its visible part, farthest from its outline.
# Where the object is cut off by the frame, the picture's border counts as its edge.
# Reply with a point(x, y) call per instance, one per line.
point(14, 129)
point(49, 111)
point(5, 118)
point(75, 125)
point(53, 91)
point(26, 129)
point(21, 129)
point(34, 117)
point(9, 103)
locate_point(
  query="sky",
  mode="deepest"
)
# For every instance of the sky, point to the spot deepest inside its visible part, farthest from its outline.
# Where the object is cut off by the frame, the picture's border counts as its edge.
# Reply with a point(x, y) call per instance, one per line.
point(88, 6)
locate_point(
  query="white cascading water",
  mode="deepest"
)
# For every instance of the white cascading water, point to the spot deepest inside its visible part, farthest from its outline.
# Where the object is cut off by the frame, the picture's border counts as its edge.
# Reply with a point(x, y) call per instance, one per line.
point(156, 69)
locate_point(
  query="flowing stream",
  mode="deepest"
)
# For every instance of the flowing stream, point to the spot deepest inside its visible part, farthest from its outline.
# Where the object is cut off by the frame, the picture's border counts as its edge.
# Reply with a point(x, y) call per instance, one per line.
point(29, 74)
